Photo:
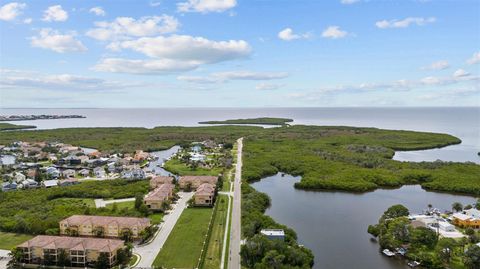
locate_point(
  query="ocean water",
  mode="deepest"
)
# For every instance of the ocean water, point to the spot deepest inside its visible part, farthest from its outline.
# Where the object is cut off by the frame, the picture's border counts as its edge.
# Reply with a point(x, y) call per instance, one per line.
point(463, 123)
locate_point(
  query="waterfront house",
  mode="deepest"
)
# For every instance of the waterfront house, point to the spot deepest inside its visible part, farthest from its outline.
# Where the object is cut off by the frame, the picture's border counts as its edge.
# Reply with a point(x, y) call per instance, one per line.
point(81, 252)
point(103, 226)
point(29, 184)
point(70, 160)
point(195, 181)
point(8, 186)
point(19, 177)
point(204, 195)
point(135, 174)
point(156, 198)
point(159, 180)
point(140, 156)
point(68, 173)
point(50, 183)
point(84, 172)
point(274, 234)
point(52, 172)
point(467, 219)
point(99, 172)
point(445, 226)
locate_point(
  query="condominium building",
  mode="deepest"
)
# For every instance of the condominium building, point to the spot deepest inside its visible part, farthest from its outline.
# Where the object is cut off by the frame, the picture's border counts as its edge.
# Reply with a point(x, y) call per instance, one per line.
point(79, 251)
point(204, 194)
point(103, 226)
point(156, 198)
point(196, 181)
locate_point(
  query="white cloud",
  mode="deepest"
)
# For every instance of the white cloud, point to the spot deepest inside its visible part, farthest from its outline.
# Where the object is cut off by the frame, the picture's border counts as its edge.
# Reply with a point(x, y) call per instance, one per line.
point(383, 24)
point(10, 11)
point(97, 11)
point(55, 13)
point(206, 6)
point(19, 79)
point(268, 86)
point(54, 40)
point(221, 77)
point(173, 53)
point(27, 20)
point(155, 4)
point(475, 58)
point(460, 73)
point(125, 27)
point(287, 34)
point(160, 66)
point(334, 32)
point(349, 2)
point(438, 65)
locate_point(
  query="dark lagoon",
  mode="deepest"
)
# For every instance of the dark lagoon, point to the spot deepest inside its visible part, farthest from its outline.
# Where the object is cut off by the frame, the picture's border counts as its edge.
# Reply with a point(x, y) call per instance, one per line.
point(334, 224)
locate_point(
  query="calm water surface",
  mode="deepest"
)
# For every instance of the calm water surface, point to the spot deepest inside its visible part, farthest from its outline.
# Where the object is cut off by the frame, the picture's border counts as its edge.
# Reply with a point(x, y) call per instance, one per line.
point(460, 122)
point(334, 224)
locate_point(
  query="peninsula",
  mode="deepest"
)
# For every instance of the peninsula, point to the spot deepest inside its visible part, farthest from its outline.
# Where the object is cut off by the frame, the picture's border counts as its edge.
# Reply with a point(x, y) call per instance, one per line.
point(39, 117)
point(259, 121)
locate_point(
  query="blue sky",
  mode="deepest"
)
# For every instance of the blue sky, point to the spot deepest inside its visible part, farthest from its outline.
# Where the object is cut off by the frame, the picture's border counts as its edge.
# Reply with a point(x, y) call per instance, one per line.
point(239, 53)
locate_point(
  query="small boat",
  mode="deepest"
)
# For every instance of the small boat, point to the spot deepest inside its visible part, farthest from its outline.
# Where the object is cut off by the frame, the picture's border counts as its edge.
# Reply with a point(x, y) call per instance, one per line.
point(401, 251)
point(413, 264)
point(388, 253)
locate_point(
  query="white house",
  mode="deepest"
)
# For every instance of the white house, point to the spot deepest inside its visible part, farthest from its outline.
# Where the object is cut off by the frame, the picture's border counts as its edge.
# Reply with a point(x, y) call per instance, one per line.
point(50, 183)
point(99, 172)
point(277, 234)
point(447, 227)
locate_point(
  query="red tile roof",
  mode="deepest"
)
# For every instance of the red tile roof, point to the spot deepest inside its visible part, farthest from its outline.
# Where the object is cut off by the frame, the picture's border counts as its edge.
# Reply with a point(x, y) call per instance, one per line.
point(73, 243)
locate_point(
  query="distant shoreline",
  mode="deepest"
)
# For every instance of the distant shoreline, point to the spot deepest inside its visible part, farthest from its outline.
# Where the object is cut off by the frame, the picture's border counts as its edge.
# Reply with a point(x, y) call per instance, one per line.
point(39, 117)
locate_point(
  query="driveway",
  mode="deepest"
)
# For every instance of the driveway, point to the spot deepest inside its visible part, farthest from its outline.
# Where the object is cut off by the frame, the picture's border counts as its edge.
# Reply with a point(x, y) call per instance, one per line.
point(149, 252)
point(235, 233)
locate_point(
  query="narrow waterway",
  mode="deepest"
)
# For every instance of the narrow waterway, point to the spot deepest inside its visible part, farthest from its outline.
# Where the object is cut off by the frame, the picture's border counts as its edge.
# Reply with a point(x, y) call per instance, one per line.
point(334, 224)
point(162, 156)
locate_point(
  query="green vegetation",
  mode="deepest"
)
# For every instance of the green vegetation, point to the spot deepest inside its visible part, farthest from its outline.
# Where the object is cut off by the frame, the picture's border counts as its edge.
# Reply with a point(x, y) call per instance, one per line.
point(156, 218)
point(8, 126)
point(259, 251)
point(422, 244)
point(38, 211)
point(177, 167)
point(262, 121)
point(184, 244)
point(122, 205)
point(10, 240)
point(215, 243)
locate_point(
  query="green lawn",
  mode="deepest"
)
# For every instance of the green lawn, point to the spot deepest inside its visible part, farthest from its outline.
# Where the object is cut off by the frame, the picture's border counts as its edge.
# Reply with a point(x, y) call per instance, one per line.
point(215, 244)
point(122, 205)
point(75, 201)
point(156, 218)
point(179, 168)
point(10, 240)
point(184, 245)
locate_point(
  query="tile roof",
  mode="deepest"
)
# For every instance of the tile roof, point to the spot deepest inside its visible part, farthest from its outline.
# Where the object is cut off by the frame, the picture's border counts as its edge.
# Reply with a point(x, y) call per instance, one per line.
point(198, 179)
point(107, 220)
point(155, 181)
point(160, 193)
point(73, 243)
point(205, 189)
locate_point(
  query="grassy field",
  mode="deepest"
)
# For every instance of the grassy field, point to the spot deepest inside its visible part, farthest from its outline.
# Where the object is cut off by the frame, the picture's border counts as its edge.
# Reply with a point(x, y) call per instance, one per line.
point(122, 205)
point(184, 245)
point(215, 244)
point(10, 240)
point(179, 168)
point(8, 126)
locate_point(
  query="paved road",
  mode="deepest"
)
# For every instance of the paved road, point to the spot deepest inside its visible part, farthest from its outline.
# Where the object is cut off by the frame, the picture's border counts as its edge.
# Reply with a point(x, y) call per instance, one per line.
point(103, 203)
point(235, 233)
point(150, 251)
point(4, 258)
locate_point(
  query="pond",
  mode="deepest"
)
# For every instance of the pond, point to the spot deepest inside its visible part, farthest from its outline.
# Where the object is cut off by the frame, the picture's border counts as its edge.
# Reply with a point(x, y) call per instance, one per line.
point(334, 224)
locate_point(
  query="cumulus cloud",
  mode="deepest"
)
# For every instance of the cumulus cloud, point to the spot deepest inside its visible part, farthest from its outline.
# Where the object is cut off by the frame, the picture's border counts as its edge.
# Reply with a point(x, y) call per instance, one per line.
point(206, 6)
point(460, 73)
point(349, 2)
point(55, 13)
point(475, 58)
point(27, 20)
point(10, 11)
point(18, 79)
point(268, 86)
point(287, 34)
point(97, 11)
point(56, 41)
point(438, 65)
point(126, 27)
point(220, 77)
point(173, 53)
point(334, 32)
point(384, 24)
